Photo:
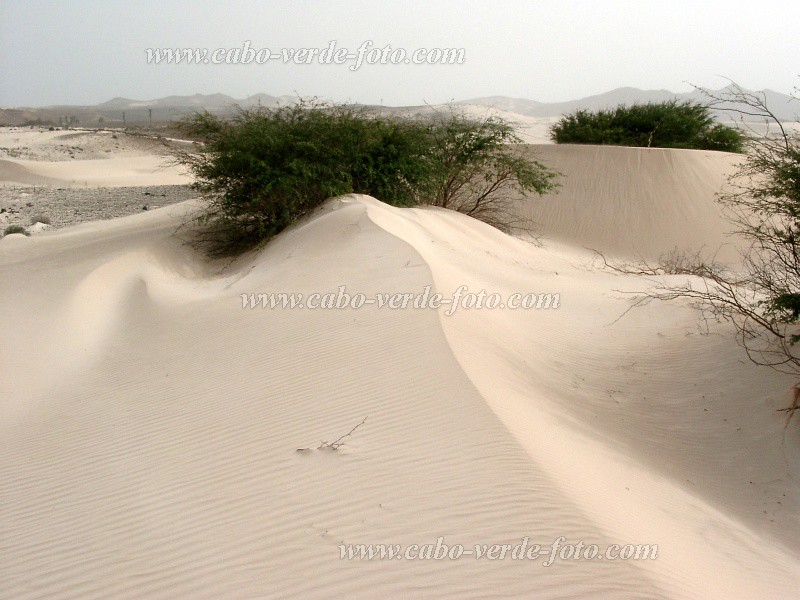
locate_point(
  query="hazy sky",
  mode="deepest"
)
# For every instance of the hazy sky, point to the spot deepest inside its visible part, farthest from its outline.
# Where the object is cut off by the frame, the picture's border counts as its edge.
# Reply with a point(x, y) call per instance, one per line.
point(83, 52)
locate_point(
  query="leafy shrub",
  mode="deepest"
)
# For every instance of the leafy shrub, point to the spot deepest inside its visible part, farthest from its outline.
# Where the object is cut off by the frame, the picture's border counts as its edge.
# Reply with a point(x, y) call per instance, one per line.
point(265, 168)
point(477, 170)
point(15, 229)
point(659, 125)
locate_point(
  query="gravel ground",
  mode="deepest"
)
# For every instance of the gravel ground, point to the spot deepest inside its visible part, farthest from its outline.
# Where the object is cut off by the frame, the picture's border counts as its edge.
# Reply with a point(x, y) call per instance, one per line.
point(70, 206)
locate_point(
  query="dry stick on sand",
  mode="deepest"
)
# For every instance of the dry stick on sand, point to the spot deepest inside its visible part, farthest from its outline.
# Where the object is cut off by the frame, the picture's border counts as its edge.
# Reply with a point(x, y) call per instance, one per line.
point(336, 444)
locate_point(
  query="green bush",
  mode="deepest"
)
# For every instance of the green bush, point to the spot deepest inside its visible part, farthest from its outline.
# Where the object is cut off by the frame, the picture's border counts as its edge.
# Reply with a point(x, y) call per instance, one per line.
point(476, 168)
point(15, 229)
point(265, 168)
point(659, 125)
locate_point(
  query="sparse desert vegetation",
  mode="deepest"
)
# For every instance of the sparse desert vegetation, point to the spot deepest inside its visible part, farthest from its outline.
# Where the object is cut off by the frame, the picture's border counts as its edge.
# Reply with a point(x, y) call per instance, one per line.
point(44, 219)
point(357, 300)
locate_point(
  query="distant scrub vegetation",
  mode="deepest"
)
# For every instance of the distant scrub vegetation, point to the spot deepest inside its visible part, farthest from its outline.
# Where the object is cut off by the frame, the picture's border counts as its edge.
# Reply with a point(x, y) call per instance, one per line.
point(39, 122)
point(265, 168)
point(658, 125)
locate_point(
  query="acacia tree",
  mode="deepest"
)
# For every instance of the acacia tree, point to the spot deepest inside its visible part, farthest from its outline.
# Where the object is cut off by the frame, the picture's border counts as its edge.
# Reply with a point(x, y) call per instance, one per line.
point(761, 296)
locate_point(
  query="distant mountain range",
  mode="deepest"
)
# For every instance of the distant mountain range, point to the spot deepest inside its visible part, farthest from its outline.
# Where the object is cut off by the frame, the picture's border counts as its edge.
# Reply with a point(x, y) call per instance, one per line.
point(198, 101)
point(785, 107)
point(124, 111)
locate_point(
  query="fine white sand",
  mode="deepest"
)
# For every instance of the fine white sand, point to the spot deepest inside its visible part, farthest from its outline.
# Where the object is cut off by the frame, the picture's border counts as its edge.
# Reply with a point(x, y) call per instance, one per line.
point(109, 172)
point(150, 425)
point(31, 157)
point(636, 202)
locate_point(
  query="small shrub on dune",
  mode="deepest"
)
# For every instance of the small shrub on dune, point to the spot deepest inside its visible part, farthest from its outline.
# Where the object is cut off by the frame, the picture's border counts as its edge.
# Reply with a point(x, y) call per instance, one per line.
point(15, 229)
point(40, 219)
point(265, 168)
point(658, 125)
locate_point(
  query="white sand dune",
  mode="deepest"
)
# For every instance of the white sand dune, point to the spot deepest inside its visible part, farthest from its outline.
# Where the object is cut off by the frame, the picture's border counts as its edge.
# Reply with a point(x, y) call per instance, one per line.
point(636, 202)
point(14, 173)
point(151, 424)
point(103, 172)
point(84, 158)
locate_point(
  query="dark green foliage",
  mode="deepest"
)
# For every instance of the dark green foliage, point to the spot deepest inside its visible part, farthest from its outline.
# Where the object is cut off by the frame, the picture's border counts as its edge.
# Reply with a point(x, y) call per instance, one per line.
point(658, 125)
point(265, 168)
point(787, 307)
point(15, 229)
point(475, 169)
point(772, 198)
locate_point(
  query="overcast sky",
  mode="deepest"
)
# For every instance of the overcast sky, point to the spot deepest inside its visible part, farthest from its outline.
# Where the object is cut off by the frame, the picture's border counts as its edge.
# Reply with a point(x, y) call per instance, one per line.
point(83, 52)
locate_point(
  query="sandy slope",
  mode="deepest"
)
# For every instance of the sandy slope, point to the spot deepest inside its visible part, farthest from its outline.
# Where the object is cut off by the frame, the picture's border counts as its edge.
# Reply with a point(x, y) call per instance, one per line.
point(151, 425)
point(84, 159)
point(108, 172)
point(635, 201)
point(652, 429)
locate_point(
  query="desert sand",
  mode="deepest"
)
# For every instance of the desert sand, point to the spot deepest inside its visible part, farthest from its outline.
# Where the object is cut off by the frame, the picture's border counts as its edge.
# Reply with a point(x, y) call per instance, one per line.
point(161, 441)
point(84, 158)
